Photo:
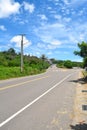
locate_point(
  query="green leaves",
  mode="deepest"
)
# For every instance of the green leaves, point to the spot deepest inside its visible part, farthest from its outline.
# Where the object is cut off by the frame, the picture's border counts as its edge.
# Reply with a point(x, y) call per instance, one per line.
point(10, 64)
point(68, 64)
point(82, 49)
point(82, 52)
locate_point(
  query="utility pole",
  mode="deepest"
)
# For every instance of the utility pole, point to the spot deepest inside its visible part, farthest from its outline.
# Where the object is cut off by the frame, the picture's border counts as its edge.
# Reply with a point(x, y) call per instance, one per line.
point(22, 36)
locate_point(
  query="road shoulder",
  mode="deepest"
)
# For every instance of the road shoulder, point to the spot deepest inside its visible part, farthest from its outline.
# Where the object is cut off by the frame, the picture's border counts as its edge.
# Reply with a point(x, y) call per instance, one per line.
point(80, 107)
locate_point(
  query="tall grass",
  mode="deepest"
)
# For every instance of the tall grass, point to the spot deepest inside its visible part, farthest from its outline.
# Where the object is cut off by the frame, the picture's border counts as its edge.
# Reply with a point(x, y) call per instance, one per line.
point(12, 72)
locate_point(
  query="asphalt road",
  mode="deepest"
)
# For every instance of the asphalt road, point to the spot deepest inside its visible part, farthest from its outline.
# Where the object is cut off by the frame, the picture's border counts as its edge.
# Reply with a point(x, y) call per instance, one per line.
point(41, 102)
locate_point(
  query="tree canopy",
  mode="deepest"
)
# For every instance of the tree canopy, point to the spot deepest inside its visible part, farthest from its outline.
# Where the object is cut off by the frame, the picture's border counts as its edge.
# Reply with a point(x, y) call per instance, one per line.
point(83, 49)
point(82, 52)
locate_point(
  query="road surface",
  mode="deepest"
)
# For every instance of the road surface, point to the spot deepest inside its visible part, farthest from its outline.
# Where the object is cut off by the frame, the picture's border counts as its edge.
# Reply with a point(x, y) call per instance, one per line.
point(40, 102)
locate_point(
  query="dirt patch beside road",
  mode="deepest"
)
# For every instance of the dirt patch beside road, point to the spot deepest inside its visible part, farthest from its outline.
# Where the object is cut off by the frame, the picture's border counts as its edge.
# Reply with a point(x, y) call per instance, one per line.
point(80, 107)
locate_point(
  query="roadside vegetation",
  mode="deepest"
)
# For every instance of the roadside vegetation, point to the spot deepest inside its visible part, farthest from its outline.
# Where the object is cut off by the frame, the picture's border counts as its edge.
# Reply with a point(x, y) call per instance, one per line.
point(10, 64)
point(66, 64)
point(84, 73)
point(82, 52)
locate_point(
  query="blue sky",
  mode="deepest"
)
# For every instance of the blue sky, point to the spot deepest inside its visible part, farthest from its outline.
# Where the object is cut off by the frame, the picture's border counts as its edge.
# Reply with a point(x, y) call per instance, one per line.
point(52, 27)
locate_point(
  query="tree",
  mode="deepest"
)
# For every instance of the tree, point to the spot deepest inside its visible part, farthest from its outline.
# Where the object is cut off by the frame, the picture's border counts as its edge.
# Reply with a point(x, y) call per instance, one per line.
point(11, 51)
point(43, 57)
point(85, 62)
point(82, 52)
point(60, 64)
point(83, 49)
point(68, 64)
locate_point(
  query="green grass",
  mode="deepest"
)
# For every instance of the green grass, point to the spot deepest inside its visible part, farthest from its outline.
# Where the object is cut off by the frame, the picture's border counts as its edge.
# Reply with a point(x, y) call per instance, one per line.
point(12, 72)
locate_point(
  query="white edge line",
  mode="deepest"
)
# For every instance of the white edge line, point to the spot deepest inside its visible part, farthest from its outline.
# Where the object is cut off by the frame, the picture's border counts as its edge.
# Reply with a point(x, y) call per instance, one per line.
point(24, 108)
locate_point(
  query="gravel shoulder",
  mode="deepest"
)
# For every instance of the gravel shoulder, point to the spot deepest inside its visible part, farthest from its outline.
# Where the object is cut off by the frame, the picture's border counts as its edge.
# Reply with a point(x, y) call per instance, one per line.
point(80, 107)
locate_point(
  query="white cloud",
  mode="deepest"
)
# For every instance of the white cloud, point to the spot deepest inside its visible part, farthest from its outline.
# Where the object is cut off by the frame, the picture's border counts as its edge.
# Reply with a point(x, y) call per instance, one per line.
point(49, 7)
point(66, 2)
point(57, 17)
point(56, 42)
point(41, 45)
point(49, 46)
point(43, 17)
point(76, 3)
point(59, 35)
point(81, 37)
point(67, 19)
point(8, 7)
point(52, 47)
point(29, 7)
point(72, 38)
point(81, 12)
point(2, 27)
point(51, 33)
point(79, 32)
point(80, 2)
point(49, 53)
point(17, 40)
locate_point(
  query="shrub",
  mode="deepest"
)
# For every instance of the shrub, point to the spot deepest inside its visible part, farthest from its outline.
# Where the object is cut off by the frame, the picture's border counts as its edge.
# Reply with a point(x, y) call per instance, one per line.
point(68, 64)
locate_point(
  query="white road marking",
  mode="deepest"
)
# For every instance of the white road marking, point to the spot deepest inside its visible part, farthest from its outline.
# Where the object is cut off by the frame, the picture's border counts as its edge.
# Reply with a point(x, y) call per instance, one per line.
point(24, 108)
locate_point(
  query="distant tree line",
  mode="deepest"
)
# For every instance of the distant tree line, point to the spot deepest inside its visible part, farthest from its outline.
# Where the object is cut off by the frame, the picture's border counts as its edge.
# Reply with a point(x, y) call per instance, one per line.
point(66, 63)
point(10, 58)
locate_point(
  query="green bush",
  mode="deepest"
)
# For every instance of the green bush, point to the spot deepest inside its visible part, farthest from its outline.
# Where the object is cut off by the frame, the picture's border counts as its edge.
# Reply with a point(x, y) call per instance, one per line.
point(68, 64)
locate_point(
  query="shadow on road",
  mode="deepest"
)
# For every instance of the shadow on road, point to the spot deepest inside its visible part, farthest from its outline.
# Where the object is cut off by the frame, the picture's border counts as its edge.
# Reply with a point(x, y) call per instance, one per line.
point(81, 80)
point(79, 127)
